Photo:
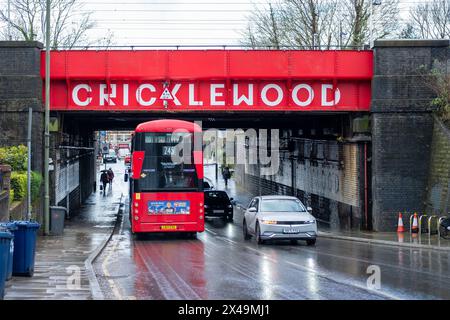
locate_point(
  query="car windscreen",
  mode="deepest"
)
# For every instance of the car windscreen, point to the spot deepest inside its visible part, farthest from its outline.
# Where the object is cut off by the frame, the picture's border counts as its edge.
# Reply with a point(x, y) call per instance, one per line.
point(216, 197)
point(159, 171)
point(281, 205)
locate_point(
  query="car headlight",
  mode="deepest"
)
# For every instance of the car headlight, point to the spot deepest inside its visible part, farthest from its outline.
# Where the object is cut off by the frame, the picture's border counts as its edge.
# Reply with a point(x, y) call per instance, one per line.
point(269, 221)
point(230, 206)
point(205, 206)
point(311, 221)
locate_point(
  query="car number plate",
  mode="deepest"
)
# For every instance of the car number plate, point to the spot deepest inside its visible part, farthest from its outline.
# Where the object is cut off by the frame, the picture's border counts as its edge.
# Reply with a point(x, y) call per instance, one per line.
point(291, 230)
point(218, 211)
point(168, 227)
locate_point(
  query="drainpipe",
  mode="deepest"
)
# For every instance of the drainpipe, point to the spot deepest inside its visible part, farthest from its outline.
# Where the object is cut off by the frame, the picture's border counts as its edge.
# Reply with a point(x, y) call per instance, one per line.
point(67, 188)
point(294, 176)
point(365, 188)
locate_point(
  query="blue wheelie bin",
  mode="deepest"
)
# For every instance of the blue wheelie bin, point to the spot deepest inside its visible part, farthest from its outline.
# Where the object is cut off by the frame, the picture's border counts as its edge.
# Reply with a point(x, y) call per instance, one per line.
point(5, 246)
point(24, 248)
point(11, 227)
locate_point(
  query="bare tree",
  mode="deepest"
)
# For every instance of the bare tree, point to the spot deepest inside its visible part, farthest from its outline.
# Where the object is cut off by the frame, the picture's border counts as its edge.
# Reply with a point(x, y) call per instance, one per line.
point(322, 23)
point(384, 17)
point(431, 20)
point(68, 27)
point(309, 23)
point(292, 23)
point(265, 29)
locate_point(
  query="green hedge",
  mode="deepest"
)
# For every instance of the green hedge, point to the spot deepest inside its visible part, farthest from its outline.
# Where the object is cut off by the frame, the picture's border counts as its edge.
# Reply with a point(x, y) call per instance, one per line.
point(11, 196)
point(36, 181)
point(19, 185)
point(15, 156)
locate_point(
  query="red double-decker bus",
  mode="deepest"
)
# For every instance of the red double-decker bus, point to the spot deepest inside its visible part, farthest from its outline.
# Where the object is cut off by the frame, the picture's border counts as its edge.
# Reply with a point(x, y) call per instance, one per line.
point(166, 182)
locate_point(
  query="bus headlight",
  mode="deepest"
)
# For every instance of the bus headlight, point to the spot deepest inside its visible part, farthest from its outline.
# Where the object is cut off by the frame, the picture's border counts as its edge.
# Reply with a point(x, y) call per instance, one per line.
point(136, 218)
point(200, 217)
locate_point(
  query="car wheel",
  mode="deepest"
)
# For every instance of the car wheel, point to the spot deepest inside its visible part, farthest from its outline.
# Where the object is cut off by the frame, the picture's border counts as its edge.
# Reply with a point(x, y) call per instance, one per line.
point(230, 218)
point(311, 242)
point(247, 236)
point(258, 234)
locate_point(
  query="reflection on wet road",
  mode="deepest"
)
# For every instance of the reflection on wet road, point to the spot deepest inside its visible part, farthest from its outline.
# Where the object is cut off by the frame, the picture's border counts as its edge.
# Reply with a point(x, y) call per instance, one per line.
point(220, 264)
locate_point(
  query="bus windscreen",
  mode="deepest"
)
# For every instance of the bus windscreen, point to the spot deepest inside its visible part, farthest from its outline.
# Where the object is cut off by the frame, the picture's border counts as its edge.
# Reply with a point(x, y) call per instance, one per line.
point(159, 171)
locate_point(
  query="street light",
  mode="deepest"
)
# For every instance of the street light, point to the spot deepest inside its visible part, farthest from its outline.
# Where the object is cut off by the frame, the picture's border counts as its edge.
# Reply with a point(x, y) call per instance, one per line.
point(372, 3)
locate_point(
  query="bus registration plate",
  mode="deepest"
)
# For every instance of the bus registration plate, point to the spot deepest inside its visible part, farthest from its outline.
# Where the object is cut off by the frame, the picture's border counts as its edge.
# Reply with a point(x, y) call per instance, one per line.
point(168, 227)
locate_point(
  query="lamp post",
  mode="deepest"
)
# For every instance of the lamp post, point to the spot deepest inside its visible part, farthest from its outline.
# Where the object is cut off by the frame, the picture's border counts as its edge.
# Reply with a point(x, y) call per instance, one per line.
point(372, 3)
point(47, 122)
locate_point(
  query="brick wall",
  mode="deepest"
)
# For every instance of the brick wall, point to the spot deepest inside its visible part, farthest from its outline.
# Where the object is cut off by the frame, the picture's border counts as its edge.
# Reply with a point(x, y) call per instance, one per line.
point(402, 126)
point(325, 175)
point(20, 89)
point(438, 195)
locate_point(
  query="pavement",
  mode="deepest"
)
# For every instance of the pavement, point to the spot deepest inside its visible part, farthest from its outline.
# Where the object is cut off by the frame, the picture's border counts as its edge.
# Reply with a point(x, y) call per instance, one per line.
point(62, 265)
point(405, 239)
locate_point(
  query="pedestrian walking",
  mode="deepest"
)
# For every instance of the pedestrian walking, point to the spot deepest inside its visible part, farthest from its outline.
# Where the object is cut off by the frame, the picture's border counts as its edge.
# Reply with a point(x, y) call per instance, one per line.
point(110, 177)
point(226, 174)
point(104, 181)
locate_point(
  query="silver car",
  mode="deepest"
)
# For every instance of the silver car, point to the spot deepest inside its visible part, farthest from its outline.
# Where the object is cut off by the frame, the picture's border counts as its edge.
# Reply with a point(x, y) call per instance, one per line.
point(279, 217)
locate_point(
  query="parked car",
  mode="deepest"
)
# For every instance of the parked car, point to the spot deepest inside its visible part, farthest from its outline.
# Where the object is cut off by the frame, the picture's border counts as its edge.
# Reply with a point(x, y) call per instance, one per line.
point(217, 204)
point(207, 185)
point(110, 157)
point(279, 217)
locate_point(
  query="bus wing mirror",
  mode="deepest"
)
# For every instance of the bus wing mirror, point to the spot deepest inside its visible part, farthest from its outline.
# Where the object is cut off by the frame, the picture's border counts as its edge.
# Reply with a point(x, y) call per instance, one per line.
point(125, 177)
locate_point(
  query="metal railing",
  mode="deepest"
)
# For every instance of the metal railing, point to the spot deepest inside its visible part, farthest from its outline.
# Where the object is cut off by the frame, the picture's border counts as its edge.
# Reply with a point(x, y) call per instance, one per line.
point(213, 47)
point(420, 223)
point(429, 224)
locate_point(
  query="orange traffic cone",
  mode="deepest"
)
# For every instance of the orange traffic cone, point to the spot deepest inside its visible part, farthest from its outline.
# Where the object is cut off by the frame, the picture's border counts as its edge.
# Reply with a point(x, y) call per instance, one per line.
point(415, 225)
point(401, 237)
point(400, 227)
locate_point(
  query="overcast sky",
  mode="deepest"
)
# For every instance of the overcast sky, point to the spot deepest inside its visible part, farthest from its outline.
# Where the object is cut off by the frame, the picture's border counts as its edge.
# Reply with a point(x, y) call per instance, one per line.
point(181, 22)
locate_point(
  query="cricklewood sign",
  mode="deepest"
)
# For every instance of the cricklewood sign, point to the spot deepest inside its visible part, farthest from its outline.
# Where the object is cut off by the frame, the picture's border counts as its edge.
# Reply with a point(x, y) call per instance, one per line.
point(211, 80)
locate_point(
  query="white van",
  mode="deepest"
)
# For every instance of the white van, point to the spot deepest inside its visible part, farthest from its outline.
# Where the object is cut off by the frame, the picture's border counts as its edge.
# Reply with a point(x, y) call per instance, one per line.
point(123, 152)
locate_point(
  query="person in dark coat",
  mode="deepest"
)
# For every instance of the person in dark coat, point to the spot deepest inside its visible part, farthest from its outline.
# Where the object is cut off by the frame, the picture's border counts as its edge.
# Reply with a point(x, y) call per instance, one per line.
point(104, 180)
point(226, 174)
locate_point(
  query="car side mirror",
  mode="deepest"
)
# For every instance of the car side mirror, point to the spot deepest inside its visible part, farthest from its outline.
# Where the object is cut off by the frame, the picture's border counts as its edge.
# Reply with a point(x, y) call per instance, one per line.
point(252, 209)
point(309, 209)
point(125, 177)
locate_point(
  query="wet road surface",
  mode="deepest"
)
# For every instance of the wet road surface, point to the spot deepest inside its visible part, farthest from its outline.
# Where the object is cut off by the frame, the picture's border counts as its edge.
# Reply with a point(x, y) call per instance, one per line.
point(220, 264)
